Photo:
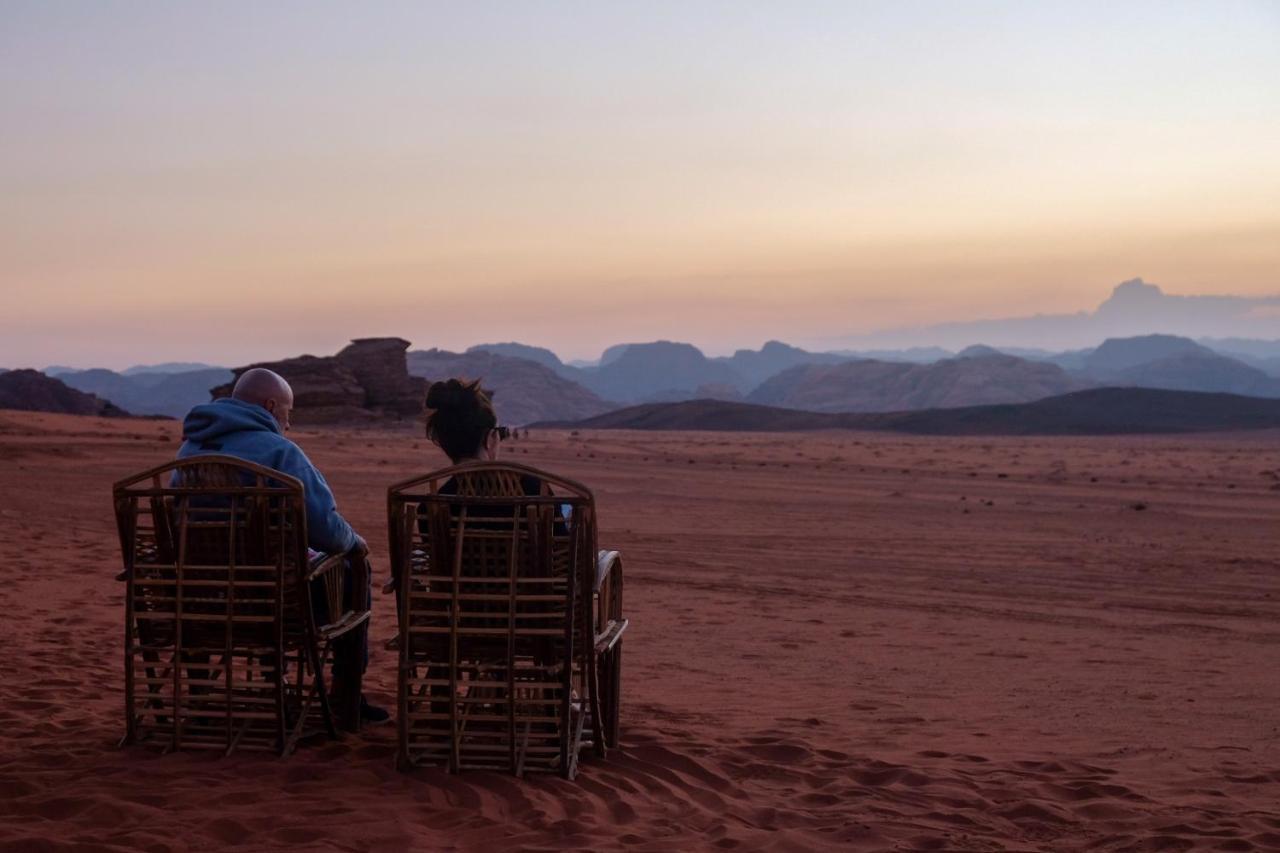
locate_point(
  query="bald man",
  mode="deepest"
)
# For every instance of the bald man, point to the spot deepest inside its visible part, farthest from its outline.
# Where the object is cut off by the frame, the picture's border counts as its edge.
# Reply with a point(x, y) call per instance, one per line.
point(250, 425)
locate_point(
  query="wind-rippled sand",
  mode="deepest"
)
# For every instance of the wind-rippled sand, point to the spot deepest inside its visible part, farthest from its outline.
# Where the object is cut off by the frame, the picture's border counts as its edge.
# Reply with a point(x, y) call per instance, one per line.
point(839, 641)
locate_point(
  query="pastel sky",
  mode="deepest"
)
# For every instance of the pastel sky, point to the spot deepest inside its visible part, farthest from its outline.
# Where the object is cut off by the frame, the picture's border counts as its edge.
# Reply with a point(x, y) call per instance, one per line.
point(230, 182)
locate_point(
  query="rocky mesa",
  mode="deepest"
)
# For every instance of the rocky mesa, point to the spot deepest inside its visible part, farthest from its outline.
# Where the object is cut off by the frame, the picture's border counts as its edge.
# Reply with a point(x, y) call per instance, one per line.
point(367, 382)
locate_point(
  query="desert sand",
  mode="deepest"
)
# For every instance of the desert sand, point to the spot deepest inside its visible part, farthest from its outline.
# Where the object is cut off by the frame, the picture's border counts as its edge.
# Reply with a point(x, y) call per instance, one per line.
point(839, 641)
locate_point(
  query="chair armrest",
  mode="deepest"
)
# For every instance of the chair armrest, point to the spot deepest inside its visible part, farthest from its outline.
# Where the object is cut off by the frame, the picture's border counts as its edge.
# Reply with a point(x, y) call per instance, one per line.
point(607, 563)
point(322, 563)
point(344, 593)
point(609, 621)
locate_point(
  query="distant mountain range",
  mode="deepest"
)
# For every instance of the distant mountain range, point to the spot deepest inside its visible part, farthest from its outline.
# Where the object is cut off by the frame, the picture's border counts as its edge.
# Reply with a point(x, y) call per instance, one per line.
point(139, 369)
point(1135, 308)
point(880, 386)
point(1098, 411)
point(374, 379)
point(149, 392)
point(533, 384)
point(667, 370)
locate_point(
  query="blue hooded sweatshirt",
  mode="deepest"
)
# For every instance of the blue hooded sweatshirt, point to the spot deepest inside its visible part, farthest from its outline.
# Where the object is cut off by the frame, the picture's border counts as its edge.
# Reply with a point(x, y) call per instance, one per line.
point(249, 432)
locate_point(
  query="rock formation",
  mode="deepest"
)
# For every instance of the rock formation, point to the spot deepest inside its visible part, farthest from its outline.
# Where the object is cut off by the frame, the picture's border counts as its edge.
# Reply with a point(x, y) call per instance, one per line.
point(32, 391)
point(367, 382)
point(381, 368)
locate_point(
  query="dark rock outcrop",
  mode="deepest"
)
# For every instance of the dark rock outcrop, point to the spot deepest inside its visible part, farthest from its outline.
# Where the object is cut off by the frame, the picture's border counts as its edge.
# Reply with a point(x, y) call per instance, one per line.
point(33, 391)
point(381, 368)
point(367, 382)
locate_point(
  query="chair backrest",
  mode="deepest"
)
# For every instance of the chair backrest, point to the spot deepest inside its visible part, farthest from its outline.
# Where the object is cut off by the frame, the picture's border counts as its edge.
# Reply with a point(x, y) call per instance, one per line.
point(492, 561)
point(214, 552)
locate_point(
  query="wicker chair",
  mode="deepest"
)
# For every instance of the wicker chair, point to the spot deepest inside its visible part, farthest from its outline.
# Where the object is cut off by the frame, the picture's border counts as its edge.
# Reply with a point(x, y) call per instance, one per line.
point(510, 621)
point(228, 625)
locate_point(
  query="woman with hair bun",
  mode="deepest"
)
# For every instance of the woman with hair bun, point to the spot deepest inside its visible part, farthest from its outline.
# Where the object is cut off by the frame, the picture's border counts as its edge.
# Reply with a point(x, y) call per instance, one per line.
point(462, 422)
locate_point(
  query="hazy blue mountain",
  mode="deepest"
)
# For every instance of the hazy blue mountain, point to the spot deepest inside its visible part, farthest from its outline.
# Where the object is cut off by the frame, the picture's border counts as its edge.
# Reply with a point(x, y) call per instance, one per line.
point(1199, 371)
point(1262, 354)
point(1032, 353)
point(1071, 360)
point(103, 383)
point(880, 386)
point(755, 366)
point(1135, 307)
point(171, 394)
point(1170, 362)
point(612, 354)
point(170, 367)
point(979, 351)
point(912, 355)
point(1235, 347)
point(1117, 354)
point(662, 368)
point(1243, 347)
point(541, 355)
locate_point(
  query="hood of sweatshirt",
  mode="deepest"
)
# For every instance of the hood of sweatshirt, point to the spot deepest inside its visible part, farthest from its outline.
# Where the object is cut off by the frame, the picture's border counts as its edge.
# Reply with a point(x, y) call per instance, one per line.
point(211, 421)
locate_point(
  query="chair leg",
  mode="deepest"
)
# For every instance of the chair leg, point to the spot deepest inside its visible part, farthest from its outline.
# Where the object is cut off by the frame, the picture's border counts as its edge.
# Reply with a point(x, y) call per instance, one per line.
point(321, 690)
point(282, 730)
point(570, 768)
point(613, 695)
point(592, 704)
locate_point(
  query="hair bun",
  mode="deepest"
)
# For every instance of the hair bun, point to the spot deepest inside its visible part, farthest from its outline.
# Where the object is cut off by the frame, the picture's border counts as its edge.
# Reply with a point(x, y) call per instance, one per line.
point(456, 395)
point(448, 394)
point(460, 416)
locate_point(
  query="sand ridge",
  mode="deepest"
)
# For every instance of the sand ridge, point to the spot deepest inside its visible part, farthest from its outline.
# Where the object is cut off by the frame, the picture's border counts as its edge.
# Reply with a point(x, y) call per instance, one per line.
point(839, 641)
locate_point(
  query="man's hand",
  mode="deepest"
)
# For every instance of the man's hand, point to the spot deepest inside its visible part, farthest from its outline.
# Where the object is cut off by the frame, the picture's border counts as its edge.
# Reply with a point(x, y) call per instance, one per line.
point(361, 547)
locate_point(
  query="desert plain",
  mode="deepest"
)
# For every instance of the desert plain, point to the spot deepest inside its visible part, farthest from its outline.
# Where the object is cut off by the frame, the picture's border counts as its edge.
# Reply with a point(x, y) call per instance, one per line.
point(839, 641)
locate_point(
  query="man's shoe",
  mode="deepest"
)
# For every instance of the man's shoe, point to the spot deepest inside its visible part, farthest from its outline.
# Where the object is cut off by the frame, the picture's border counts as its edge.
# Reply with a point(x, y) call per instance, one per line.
point(372, 714)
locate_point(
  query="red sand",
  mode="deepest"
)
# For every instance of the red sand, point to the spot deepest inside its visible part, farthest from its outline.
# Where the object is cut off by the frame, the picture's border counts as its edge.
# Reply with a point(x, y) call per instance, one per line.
point(839, 641)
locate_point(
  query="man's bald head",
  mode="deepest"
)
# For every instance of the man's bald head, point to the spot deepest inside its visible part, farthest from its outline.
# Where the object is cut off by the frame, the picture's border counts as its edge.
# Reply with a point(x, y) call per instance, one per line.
point(267, 389)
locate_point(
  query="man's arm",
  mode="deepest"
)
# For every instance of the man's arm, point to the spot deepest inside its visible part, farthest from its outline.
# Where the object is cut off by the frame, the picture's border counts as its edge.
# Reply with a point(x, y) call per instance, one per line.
point(327, 530)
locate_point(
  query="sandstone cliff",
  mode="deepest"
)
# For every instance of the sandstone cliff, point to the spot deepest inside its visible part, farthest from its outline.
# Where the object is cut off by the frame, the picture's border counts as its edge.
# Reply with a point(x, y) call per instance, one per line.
point(367, 382)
